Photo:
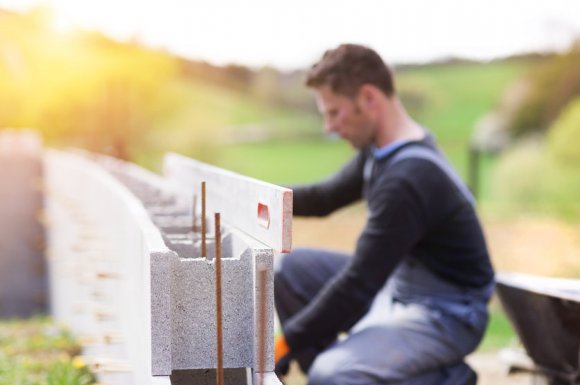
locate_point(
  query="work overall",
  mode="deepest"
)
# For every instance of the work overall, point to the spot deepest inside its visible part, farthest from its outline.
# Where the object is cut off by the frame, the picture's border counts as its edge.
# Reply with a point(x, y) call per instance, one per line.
point(418, 329)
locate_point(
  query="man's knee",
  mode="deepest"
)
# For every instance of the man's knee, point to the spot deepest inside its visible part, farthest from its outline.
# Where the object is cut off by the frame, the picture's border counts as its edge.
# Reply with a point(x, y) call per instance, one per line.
point(323, 372)
point(331, 367)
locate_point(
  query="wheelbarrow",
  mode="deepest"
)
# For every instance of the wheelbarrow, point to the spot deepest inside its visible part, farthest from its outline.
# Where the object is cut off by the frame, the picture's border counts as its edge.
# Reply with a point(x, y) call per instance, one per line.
point(545, 312)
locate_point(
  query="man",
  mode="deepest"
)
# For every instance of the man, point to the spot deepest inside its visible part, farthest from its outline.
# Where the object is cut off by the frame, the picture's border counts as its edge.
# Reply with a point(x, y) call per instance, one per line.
point(411, 302)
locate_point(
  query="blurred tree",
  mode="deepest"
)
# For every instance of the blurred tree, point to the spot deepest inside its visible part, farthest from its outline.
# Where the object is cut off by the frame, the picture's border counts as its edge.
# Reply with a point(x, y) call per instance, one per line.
point(553, 84)
point(126, 100)
point(231, 76)
point(541, 175)
point(81, 88)
point(266, 85)
point(415, 96)
point(564, 135)
point(84, 89)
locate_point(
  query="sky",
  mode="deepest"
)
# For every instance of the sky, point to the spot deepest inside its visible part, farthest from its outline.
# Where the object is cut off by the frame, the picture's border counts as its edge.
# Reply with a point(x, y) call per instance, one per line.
point(293, 34)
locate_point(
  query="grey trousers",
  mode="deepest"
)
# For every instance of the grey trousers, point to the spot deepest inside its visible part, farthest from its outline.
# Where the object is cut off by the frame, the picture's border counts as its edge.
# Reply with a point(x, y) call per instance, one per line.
point(417, 331)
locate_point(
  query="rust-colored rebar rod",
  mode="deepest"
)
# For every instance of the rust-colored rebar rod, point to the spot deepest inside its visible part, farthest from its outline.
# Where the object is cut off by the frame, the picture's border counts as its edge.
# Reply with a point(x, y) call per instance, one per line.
point(194, 214)
point(203, 224)
point(218, 301)
point(261, 322)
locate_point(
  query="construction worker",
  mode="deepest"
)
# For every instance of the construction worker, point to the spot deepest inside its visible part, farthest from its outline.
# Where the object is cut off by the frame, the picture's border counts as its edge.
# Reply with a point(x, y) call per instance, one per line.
point(411, 302)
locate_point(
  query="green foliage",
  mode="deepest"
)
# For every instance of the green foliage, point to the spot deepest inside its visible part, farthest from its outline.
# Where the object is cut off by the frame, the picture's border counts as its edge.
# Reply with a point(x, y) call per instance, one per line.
point(80, 89)
point(214, 118)
point(564, 135)
point(543, 177)
point(38, 352)
point(65, 373)
point(552, 85)
point(287, 162)
point(83, 89)
point(499, 332)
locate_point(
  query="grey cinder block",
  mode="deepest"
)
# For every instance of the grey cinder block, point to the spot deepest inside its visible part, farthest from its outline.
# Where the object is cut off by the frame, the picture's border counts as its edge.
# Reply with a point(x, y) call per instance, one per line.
point(156, 287)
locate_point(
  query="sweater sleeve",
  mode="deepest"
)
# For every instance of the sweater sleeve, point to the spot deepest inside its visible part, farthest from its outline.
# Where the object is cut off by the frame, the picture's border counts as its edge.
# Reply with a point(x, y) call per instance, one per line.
point(341, 189)
point(396, 222)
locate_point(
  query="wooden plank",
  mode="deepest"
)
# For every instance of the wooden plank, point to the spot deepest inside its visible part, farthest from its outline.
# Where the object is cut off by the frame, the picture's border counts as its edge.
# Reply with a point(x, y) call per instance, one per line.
point(259, 209)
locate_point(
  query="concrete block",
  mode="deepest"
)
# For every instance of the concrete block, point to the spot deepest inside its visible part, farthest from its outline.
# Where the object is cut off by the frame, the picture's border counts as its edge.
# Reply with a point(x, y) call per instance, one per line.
point(193, 311)
point(184, 246)
point(208, 377)
point(161, 380)
point(264, 258)
point(269, 378)
point(147, 281)
point(161, 313)
point(174, 224)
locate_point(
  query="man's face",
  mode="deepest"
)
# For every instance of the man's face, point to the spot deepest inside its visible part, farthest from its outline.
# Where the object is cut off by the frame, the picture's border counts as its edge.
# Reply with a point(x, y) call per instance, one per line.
point(344, 116)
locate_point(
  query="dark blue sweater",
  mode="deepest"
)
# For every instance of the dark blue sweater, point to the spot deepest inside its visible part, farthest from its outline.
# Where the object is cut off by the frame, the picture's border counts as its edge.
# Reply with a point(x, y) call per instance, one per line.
point(415, 208)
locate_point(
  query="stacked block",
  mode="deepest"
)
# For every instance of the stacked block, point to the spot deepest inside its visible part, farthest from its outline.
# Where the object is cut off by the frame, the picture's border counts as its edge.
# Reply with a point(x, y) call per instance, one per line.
point(133, 236)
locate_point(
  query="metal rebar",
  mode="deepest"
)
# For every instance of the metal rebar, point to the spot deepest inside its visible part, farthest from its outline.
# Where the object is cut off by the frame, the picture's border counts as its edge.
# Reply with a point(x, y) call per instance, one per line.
point(203, 224)
point(261, 322)
point(194, 214)
point(218, 301)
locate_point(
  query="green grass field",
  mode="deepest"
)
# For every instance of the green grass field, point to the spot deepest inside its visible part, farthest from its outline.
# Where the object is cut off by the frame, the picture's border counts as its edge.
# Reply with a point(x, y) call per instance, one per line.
point(287, 162)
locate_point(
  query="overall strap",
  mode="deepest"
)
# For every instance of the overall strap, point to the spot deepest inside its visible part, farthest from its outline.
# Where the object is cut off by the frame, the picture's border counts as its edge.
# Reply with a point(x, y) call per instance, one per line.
point(422, 152)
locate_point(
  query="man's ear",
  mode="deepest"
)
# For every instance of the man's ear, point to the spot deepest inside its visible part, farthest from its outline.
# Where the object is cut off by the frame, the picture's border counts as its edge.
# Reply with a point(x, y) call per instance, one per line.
point(367, 96)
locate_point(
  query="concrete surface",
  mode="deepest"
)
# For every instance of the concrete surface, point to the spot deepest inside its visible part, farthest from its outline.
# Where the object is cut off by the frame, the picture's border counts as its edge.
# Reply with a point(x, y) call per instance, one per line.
point(23, 275)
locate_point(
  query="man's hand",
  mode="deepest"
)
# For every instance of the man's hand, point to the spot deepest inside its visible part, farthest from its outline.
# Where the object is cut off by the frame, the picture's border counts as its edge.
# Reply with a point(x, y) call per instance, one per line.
point(281, 356)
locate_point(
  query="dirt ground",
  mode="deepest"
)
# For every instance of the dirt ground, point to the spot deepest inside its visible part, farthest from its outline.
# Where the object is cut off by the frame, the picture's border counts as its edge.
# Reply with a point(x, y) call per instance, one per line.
point(532, 245)
point(490, 370)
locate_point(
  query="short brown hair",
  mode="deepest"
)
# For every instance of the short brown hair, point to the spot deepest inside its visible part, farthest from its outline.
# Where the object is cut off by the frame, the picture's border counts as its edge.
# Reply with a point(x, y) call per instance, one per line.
point(346, 68)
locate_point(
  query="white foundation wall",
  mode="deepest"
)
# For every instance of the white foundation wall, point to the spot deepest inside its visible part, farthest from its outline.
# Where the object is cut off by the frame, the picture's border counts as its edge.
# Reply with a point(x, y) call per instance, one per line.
point(100, 243)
